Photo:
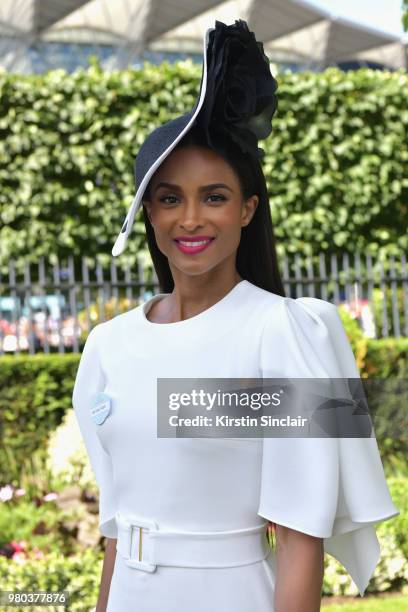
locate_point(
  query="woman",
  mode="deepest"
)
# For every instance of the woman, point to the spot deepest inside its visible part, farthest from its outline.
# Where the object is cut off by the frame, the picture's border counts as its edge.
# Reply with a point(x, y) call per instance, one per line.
point(186, 519)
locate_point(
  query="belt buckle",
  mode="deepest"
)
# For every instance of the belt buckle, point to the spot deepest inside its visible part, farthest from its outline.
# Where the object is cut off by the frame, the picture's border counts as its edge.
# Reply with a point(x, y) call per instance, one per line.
point(134, 527)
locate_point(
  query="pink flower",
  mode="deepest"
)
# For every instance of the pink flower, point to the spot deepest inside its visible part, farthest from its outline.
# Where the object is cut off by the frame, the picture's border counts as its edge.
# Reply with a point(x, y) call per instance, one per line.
point(19, 492)
point(50, 496)
point(18, 546)
point(6, 493)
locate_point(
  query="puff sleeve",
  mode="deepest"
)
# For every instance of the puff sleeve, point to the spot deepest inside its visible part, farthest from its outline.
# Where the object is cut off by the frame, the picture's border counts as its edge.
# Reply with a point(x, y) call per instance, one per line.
point(89, 381)
point(332, 488)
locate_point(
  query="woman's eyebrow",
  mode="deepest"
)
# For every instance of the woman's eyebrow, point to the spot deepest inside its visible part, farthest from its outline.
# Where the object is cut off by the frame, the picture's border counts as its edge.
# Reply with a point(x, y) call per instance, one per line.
point(203, 188)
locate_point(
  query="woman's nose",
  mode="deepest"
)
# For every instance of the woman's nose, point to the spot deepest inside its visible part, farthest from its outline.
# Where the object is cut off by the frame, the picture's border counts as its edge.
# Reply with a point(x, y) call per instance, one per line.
point(191, 214)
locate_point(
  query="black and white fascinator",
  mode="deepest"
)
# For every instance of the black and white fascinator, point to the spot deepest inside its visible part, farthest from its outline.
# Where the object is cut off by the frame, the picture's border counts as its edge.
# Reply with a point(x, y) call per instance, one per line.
point(235, 105)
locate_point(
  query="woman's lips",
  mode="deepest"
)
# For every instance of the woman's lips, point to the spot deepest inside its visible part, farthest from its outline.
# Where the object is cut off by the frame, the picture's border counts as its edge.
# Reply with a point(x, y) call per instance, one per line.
point(190, 249)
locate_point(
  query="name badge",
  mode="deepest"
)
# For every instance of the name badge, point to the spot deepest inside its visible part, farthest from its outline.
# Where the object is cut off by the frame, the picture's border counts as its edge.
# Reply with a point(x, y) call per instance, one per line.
point(101, 408)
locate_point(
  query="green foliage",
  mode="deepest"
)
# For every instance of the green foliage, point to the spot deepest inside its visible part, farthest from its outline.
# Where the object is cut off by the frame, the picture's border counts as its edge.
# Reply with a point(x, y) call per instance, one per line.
point(355, 335)
point(336, 162)
point(32, 406)
point(79, 574)
point(387, 357)
point(405, 15)
point(398, 526)
point(20, 521)
point(385, 367)
point(371, 604)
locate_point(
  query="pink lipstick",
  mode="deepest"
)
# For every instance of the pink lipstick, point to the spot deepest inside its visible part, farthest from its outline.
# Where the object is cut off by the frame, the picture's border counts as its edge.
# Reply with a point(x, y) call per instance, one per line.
point(193, 244)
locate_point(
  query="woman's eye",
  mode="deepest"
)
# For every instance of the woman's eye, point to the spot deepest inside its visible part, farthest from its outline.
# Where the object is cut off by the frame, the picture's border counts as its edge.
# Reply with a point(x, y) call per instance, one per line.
point(170, 199)
point(219, 197)
point(165, 199)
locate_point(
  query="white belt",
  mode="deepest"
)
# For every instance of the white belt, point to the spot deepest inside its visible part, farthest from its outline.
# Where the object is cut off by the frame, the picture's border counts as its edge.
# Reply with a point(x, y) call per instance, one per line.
point(144, 546)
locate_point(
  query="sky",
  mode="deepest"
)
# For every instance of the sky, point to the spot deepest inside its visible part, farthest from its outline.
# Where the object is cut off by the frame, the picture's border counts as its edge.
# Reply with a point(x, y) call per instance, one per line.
point(384, 15)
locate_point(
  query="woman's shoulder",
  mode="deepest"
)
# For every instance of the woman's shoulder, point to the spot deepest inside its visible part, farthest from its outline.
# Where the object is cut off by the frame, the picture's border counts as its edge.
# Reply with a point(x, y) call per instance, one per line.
point(106, 331)
point(273, 309)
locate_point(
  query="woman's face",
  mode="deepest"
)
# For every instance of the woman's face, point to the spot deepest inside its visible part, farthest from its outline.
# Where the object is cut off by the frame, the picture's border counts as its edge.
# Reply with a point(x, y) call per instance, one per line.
point(196, 194)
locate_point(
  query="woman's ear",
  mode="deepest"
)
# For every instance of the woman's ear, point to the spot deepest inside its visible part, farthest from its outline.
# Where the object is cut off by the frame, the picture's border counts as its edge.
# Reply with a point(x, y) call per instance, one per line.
point(248, 210)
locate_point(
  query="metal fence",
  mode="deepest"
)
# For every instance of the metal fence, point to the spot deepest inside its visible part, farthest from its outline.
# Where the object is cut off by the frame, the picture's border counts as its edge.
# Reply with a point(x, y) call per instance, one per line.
point(50, 307)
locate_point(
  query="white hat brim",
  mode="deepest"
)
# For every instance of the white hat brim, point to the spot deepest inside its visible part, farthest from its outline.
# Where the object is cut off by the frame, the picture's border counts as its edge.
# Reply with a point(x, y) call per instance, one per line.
point(121, 240)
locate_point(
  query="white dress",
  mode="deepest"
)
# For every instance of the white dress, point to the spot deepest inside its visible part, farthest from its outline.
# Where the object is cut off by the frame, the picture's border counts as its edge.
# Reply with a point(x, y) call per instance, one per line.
point(330, 488)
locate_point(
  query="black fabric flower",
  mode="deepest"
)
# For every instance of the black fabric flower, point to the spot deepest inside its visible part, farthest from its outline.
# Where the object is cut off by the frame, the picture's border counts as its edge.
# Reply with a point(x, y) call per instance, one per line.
point(240, 97)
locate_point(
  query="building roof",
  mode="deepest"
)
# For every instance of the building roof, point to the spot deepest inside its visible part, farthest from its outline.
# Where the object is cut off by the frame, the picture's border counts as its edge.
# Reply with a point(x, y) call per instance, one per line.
point(293, 31)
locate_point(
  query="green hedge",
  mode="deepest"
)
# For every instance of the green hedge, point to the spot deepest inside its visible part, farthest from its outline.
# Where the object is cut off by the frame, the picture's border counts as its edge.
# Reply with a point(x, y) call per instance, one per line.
point(387, 357)
point(336, 164)
point(35, 393)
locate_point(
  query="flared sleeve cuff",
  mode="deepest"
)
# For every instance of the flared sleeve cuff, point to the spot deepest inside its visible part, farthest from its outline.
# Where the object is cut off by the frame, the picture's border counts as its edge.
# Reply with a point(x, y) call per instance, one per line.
point(89, 381)
point(331, 488)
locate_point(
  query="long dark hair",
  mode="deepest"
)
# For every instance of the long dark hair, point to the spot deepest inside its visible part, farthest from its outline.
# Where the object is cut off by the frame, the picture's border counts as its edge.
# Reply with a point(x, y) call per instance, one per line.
point(256, 259)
